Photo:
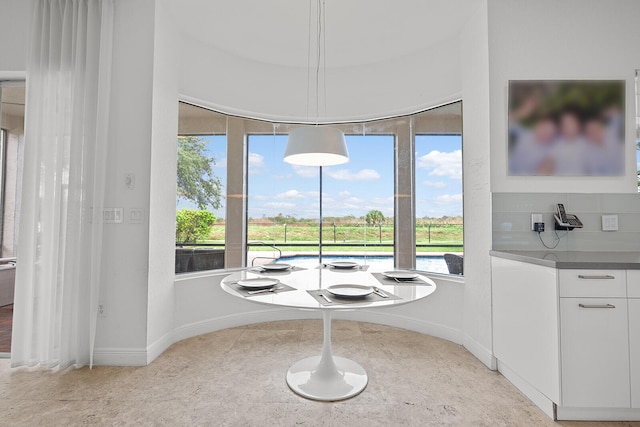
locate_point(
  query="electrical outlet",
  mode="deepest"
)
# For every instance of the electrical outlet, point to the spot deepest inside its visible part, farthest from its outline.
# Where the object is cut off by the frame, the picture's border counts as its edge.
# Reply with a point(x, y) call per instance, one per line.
point(535, 218)
point(609, 222)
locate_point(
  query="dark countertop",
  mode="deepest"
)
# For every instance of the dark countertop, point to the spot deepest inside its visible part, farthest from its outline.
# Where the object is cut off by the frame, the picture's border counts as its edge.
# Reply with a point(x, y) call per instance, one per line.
point(575, 259)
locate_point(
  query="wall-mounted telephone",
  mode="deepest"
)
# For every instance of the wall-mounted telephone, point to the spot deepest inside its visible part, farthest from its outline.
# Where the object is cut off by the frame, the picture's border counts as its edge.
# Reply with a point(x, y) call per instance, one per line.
point(565, 221)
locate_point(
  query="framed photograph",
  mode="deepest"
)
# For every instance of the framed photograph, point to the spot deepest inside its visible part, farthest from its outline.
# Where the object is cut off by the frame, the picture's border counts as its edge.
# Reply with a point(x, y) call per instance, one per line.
point(566, 128)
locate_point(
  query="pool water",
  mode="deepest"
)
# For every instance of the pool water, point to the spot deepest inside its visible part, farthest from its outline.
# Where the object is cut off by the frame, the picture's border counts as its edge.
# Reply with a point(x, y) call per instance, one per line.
point(435, 264)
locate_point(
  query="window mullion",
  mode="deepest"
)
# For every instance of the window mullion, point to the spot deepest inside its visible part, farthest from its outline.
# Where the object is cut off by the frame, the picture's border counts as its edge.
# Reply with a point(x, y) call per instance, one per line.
point(404, 217)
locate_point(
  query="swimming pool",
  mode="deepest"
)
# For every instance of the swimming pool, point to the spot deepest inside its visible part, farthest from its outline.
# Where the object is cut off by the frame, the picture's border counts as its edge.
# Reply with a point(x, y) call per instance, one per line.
point(425, 263)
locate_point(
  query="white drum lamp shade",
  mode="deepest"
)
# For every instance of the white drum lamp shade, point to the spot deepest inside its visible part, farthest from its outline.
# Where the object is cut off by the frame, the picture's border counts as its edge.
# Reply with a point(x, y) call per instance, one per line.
point(316, 146)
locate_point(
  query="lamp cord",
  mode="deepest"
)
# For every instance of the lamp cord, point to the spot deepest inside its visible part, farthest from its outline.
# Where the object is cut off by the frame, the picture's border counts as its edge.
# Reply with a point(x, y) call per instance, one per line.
point(309, 58)
point(318, 57)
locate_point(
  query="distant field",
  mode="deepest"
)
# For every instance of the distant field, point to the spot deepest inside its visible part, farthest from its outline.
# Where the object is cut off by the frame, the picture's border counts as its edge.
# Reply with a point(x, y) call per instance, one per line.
point(437, 234)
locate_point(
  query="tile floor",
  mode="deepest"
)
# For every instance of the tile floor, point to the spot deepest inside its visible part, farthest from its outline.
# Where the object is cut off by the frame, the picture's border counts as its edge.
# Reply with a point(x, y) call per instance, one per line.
point(235, 377)
point(6, 318)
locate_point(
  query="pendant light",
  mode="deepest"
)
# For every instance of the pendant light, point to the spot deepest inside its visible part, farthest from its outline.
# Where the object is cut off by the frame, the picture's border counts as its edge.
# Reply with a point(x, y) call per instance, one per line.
point(316, 145)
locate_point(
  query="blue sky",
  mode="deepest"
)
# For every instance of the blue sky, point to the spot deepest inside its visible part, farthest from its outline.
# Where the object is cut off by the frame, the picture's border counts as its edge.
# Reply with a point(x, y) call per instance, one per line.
point(366, 182)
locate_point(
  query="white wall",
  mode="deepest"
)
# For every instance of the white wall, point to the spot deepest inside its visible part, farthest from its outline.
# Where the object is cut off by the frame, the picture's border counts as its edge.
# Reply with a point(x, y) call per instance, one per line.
point(569, 39)
point(201, 306)
point(14, 22)
point(225, 82)
point(122, 335)
point(503, 40)
point(477, 196)
point(161, 212)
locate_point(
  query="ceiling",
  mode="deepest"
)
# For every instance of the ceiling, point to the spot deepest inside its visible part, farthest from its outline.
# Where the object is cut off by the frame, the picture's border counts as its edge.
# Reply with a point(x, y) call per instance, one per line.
point(358, 32)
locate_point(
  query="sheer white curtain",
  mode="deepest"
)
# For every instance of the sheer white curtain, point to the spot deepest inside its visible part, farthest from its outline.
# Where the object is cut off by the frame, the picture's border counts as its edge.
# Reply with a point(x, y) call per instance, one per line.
point(59, 252)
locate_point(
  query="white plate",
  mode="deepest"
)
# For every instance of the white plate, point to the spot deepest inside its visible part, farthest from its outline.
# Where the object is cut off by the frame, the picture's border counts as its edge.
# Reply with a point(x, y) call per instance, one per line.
point(344, 264)
point(400, 275)
point(276, 267)
point(350, 291)
point(258, 283)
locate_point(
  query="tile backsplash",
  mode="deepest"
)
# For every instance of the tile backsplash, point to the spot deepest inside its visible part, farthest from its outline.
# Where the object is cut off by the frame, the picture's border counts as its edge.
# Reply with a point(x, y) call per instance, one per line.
point(512, 221)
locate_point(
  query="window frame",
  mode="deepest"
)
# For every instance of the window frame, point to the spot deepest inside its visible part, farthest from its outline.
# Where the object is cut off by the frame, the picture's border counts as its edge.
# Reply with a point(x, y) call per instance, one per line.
point(239, 129)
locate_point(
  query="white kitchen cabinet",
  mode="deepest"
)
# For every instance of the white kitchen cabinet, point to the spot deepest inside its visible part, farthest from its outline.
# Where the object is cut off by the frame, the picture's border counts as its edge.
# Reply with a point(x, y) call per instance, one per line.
point(567, 331)
point(525, 323)
point(634, 350)
point(633, 290)
point(595, 352)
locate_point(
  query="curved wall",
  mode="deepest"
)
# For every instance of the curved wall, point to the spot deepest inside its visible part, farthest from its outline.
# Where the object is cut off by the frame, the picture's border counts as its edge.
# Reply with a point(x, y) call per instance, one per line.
point(201, 306)
point(235, 85)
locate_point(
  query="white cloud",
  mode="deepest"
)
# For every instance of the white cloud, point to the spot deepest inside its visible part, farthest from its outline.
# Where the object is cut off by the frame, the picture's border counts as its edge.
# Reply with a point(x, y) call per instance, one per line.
point(256, 161)
point(280, 205)
point(347, 175)
point(306, 171)
point(221, 163)
point(449, 199)
point(291, 194)
point(442, 164)
point(344, 194)
point(282, 177)
point(434, 184)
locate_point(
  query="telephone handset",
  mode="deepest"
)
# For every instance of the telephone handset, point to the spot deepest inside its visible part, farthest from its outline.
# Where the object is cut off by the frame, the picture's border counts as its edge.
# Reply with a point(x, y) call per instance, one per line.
point(565, 221)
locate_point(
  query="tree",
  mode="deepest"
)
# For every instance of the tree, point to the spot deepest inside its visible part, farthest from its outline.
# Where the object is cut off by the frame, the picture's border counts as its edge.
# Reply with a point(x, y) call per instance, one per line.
point(196, 181)
point(192, 225)
point(375, 217)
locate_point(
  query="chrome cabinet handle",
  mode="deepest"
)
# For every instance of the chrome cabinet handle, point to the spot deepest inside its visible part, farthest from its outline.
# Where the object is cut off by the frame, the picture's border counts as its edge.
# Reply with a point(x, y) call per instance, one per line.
point(596, 306)
point(607, 277)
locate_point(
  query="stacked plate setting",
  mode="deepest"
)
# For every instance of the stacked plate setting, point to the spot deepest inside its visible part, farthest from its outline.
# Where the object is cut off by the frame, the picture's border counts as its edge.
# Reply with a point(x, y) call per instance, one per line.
point(258, 283)
point(400, 275)
point(350, 291)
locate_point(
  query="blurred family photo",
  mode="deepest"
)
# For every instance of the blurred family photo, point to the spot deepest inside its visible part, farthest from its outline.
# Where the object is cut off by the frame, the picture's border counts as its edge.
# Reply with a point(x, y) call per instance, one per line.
point(566, 128)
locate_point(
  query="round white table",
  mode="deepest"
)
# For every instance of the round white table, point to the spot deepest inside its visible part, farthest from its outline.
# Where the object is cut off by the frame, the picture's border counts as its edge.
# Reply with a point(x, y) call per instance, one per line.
point(328, 377)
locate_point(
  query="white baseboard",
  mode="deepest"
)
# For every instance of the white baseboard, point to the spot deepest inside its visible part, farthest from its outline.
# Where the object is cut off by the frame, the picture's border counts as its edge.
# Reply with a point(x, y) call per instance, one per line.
point(120, 356)
point(540, 400)
point(410, 323)
point(482, 353)
point(211, 325)
point(156, 348)
point(598, 414)
point(141, 357)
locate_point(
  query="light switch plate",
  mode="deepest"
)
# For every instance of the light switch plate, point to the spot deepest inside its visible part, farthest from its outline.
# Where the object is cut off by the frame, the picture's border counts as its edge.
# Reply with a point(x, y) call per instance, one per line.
point(609, 222)
point(112, 215)
point(136, 215)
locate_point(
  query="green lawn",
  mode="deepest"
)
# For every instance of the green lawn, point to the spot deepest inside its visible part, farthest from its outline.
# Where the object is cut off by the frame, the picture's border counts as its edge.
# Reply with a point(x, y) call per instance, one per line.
point(346, 236)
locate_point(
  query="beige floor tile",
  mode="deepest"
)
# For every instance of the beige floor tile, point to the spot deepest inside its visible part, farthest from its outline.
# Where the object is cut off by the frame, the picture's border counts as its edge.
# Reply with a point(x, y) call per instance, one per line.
point(236, 377)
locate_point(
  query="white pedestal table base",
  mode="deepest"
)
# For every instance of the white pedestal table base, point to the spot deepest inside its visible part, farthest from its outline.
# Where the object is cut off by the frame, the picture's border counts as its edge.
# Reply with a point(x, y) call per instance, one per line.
point(325, 377)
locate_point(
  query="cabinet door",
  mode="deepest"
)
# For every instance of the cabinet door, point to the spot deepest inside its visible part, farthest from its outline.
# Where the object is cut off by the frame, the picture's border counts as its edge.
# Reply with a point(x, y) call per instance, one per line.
point(595, 352)
point(634, 350)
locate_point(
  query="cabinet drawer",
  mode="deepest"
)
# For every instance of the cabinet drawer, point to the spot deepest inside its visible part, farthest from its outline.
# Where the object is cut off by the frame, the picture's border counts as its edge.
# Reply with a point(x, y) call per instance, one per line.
point(633, 283)
point(593, 283)
point(595, 353)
